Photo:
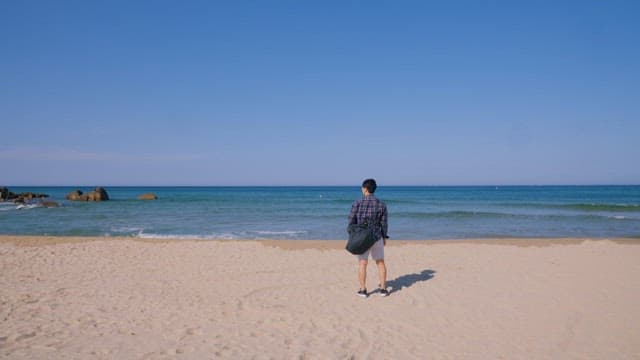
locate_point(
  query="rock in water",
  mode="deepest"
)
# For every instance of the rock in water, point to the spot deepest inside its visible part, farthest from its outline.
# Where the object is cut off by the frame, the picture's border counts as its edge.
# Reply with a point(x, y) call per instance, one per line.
point(147, 196)
point(49, 204)
point(98, 194)
point(76, 195)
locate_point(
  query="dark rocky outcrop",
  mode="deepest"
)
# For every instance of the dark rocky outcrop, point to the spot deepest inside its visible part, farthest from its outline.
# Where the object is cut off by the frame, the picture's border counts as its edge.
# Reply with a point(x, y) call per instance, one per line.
point(97, 194)
point(21, 198)
point(147, 196)
point(28, 196)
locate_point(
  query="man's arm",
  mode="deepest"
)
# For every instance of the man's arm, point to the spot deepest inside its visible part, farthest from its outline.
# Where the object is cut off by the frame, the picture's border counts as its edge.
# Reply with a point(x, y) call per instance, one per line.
point(353, 219)
point(385, 224)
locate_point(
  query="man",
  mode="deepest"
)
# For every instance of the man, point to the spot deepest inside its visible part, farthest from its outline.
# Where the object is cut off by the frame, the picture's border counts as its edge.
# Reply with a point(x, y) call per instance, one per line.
point(369, 207)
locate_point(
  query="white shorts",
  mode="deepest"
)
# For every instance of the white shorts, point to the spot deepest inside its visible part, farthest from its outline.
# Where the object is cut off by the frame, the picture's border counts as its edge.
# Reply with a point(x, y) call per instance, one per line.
point(376, 251)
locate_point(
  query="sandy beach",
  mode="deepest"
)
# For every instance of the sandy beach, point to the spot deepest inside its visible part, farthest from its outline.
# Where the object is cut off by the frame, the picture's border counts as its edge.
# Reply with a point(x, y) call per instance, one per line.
point(120, 298)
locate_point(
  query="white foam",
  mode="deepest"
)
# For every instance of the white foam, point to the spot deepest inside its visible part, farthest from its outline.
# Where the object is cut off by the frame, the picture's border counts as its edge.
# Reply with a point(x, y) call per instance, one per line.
point(223, 236)
point(27, 206)
point(288, 232)
point(126, 229)
point(257, 234)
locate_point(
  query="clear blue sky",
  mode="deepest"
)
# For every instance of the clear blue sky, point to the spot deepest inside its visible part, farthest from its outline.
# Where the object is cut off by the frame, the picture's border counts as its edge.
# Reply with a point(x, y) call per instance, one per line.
point(319, 93)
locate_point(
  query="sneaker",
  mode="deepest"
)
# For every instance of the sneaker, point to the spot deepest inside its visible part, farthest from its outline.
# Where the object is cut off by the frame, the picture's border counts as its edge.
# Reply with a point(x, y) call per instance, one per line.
point(363, 293)
point(384, 292)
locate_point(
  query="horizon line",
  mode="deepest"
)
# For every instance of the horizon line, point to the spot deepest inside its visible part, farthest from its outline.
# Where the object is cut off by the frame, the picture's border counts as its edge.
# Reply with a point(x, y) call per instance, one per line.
point(332, 185)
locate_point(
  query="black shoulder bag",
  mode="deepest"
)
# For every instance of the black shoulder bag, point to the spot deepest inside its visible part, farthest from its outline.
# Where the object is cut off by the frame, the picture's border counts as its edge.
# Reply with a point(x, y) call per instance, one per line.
point(361, 237)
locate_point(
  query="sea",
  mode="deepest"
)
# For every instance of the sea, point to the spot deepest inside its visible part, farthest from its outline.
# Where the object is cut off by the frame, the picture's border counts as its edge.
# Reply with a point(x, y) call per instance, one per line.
point(302, 213)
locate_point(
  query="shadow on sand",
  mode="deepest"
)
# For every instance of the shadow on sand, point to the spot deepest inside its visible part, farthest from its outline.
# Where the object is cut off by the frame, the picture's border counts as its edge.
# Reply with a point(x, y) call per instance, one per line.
point(408, 280)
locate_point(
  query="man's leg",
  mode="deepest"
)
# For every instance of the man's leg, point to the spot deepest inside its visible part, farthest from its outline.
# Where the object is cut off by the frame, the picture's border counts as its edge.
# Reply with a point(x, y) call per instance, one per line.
point(377, 253)
point(382, 273)
point(362, 274)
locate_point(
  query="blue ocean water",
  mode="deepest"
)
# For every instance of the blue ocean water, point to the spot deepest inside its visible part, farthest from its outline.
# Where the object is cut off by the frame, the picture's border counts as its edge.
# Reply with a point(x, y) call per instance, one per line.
point(321, 212)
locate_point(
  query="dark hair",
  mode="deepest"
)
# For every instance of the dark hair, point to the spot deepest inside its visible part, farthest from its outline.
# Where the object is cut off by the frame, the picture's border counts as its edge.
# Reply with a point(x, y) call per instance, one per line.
point(370, 185)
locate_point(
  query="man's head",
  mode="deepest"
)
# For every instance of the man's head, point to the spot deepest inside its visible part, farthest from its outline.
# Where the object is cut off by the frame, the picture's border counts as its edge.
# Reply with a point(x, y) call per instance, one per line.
point(369, 186)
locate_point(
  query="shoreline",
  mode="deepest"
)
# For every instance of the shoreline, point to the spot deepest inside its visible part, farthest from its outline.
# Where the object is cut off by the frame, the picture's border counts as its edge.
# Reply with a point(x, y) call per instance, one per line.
point(288, 244)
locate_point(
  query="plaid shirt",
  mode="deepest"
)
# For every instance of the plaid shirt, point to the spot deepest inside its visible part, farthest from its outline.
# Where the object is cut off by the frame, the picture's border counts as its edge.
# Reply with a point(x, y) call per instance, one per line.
point(370, 207)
